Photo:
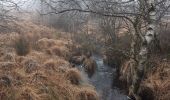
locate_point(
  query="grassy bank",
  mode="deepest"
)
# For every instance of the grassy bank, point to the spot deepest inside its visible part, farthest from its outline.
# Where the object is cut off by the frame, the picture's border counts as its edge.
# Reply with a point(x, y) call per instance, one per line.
point(34, 66)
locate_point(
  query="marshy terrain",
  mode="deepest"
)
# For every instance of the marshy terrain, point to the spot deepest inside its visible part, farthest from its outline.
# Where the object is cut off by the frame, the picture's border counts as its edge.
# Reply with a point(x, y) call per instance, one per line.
point(84, 50)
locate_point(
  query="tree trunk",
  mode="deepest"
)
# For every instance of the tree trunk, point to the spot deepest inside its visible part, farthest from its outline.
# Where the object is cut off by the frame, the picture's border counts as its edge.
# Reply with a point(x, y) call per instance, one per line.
point(143, 55)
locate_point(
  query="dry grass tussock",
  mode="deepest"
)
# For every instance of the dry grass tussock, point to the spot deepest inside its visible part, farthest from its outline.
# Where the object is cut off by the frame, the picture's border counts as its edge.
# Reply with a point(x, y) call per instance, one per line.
point(126, 72)
point(159, 79)
point(38, 75)
point(74, 76)
point(54, 47)
point(156, 85)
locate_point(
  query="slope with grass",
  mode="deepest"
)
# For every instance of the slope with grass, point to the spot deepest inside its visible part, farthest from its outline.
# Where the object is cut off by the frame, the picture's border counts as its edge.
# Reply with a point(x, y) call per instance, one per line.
point(34, 66)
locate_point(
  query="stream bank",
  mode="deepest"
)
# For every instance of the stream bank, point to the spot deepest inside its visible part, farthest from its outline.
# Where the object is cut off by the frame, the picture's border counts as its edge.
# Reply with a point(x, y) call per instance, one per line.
point(103, 80)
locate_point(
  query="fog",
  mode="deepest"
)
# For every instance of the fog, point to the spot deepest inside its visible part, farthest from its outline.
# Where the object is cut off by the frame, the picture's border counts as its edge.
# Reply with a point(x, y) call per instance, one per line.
point(84, 49)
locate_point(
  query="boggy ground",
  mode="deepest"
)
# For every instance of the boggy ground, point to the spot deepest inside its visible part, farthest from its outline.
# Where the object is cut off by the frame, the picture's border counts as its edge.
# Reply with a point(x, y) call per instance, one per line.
point(42, 72)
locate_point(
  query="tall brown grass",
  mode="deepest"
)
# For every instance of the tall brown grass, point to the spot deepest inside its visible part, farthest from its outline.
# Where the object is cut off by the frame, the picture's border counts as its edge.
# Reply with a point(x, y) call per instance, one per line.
point(87, 95)
point(156, 84)
point(24, 72)
point(73, 76)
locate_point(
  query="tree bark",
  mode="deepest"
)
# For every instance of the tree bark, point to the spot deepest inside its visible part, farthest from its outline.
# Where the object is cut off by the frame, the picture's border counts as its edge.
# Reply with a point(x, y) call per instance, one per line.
point(143, 55)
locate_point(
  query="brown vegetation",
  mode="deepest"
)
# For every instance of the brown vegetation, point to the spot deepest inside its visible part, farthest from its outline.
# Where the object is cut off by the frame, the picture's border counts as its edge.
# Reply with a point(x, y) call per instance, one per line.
point(38, 75)
point(22, 46)
point(73, 76)
point(158, 79)
point(115, 54)
point(90, 66)
point(87, 95)
point(155, 84)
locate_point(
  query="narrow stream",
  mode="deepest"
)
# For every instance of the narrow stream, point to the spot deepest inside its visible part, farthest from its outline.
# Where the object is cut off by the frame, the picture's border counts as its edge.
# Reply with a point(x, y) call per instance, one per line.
point(102, 80)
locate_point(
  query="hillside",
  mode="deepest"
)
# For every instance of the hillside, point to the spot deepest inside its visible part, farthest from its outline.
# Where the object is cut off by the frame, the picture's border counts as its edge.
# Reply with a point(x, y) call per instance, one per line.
point(34, 66)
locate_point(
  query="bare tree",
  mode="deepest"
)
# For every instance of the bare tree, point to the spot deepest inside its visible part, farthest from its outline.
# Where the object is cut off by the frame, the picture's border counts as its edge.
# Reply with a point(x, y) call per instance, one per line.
point(8, 12)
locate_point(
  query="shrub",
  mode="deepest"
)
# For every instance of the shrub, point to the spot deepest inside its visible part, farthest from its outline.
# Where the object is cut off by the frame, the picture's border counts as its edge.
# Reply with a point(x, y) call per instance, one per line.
point(22, 46)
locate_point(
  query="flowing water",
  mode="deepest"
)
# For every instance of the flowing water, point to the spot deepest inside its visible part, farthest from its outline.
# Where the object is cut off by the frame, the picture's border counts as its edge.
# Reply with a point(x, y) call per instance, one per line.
point(102, 80)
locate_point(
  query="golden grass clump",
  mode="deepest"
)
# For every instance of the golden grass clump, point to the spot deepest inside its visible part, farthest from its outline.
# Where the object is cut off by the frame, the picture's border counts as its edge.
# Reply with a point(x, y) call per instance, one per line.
point(40, 57)
point(50, 64)
point(57, 51)
point(8, 66)
point(49, 52)
point(26, 96)
point(73, 76)
point(30, 65)
point(53, 47)
point(39, 77)
point(62, 62)
point(61, 42)
point(56, 64)
point(45, 43)
point(126, 72)
point(9, 57)
point(87, 94)
point(8, 38)
point(159, 80)
point(60, 51)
